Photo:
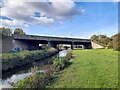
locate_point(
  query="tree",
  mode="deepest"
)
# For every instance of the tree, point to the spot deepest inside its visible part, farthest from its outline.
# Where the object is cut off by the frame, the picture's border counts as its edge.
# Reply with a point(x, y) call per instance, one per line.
point(19, 31)
point(105, 40)
point(5, 32)
point(116, 42)
point(110, 45)
point(101, 36)
point(94, 37)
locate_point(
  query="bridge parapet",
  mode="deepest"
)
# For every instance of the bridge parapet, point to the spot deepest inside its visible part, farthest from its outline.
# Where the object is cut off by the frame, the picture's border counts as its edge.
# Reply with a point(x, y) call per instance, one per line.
point(48, 38)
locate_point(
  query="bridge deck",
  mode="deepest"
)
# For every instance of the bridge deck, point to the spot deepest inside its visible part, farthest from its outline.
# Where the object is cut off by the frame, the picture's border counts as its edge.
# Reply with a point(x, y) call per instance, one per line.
point(49, 38)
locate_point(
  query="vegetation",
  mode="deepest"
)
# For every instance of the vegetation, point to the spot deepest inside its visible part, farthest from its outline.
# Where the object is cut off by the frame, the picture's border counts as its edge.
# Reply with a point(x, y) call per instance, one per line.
point(60, 63)
point(19, 31)
point(13, 60)
point(35, 80)
point(116, 42)
point(38, 80)
point(109, 42)
point(90, 69)
point(5, 32)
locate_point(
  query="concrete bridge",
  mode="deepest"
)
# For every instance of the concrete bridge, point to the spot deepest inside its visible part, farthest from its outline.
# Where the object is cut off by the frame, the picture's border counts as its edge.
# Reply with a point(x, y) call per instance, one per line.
point(31, 42)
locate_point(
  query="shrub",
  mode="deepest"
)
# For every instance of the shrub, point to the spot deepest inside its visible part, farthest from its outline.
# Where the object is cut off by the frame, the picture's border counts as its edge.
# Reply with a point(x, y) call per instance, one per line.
point(69, 54)
point(60, 63)
point(12, 60)
point(36, 80)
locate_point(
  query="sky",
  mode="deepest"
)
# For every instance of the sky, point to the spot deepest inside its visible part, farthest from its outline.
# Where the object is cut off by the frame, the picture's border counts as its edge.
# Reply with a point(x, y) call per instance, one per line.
point(65, 19)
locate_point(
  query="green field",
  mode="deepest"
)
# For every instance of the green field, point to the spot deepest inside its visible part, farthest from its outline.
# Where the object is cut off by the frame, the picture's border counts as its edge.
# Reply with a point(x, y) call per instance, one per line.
point(90, 69)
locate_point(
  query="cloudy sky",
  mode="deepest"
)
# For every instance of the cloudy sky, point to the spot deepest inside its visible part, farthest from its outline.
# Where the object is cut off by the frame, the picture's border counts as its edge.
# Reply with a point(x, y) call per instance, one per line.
point(68, 19)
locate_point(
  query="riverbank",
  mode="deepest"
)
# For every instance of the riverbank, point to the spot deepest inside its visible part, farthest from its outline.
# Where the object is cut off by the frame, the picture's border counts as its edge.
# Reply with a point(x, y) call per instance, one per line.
point(41, 80)
point(15, 60)
point(90, 69)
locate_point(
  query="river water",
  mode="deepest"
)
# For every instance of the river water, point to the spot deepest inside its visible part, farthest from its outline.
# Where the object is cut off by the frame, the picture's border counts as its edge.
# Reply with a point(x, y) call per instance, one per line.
point(20, 73)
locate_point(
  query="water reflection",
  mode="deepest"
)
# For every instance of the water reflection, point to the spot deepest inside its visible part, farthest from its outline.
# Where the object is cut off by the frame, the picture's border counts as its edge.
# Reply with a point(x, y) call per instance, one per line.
point(62, 53)
point(17, 77)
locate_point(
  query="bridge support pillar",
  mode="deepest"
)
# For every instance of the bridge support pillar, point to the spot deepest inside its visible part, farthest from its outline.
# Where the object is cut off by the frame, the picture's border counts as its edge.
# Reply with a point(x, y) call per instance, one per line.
point(51, 45)
point(72, 45)
point(88, 46)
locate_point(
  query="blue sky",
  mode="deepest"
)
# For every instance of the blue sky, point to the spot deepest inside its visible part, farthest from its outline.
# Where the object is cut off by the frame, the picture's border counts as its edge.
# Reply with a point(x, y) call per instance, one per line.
point(96, 18)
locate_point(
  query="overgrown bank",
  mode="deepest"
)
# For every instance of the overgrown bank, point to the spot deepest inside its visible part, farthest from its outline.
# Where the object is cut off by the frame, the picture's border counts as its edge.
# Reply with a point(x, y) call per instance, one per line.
point(41, 80)
point(14, 60)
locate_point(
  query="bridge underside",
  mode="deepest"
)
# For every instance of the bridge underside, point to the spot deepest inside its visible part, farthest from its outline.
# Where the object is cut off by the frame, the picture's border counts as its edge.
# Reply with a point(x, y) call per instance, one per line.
point(11, 43)
point(34, 44)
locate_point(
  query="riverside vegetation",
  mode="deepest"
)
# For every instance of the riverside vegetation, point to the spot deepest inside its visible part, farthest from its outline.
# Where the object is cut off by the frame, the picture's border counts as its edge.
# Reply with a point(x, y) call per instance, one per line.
point(18, 59)
point(41, 80)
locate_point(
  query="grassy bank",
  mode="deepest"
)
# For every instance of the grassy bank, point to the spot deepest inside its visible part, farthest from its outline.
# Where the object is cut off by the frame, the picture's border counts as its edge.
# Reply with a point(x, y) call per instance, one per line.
point(39, 80)
point(90, 69)
point(13, 60)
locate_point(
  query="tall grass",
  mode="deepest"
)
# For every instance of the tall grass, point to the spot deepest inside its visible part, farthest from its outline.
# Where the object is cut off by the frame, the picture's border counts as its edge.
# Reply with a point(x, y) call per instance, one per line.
point(38, 80)
point(12, 60)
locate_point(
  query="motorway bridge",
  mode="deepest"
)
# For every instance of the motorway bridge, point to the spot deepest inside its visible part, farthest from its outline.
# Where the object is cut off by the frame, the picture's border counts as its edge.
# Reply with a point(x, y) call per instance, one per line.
point(31, 42)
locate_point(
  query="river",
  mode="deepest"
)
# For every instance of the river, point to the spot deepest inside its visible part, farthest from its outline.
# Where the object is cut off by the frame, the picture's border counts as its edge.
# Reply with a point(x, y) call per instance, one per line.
point(20, 73)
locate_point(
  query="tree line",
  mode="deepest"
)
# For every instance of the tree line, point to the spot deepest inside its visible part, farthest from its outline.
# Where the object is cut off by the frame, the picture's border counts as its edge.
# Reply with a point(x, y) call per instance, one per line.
point(112, 42)
point(8, 32)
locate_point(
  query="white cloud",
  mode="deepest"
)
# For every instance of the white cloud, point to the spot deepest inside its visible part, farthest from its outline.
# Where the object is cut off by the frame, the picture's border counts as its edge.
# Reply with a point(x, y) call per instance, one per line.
point(43, 20)
point(116, 0)
point(13, 23)
point(49, 11)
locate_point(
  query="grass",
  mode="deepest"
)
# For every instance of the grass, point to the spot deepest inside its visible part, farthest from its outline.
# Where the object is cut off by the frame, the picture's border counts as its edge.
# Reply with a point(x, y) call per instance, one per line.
point(90, 69)
point(17, 59)
point(38, 80)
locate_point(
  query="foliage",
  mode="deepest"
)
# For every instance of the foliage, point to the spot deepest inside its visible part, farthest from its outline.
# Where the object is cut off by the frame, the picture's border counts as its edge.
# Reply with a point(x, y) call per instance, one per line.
point(12, 60)
point(116, 42)
point(69, 54)
point(105, 40)
point(110, 45)
point(32, 81)
point(38, 80)
point(100, 36)
point(90, 69)
point(60, 63)
point(94, 37)
point(19, 31)
point(5, 32)
point(109, 42)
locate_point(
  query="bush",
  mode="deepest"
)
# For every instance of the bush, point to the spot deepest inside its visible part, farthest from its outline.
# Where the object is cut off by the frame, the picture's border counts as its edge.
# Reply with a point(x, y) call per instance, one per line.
point(35, 81)
point(13, 60)
point(38, 80)
point(69, 54)
point(60, 63)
